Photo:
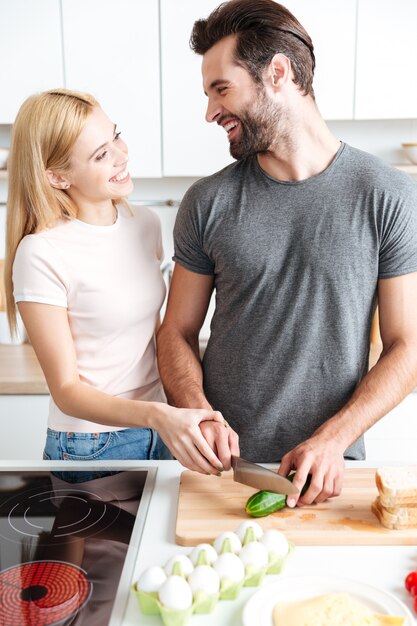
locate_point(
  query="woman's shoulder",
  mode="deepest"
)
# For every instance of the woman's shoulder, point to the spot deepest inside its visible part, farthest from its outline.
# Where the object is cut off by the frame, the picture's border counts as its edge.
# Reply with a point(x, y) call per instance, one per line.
point(40, 240)
point(144, 215)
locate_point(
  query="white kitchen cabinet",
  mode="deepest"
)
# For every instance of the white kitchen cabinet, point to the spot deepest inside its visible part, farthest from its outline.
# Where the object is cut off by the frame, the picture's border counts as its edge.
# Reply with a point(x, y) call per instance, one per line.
point(30, 52)
point(191, 146)
point(332, 28)
point(111, 49)
point(394, 437)
point(23, 426)
point(386, 62)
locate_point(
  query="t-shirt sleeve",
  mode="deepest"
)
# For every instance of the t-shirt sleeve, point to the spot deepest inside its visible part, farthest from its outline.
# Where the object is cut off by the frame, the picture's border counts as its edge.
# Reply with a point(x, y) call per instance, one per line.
point(189, 236)
point(398, 248)
point(37, 273)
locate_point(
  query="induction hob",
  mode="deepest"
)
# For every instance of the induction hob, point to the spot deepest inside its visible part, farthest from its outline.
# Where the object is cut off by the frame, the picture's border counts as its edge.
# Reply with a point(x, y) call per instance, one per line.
point(68, 542)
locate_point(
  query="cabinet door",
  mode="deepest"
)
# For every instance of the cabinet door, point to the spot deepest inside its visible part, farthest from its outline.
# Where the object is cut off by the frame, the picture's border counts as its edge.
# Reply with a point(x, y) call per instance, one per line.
point(111, 49)
point(30, 52)
point(386, 65)
point(191, 146)
point(332, 27)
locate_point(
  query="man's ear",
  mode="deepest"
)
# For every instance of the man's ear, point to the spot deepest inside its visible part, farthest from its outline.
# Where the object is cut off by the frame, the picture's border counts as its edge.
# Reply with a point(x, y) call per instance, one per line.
point(279, 70)
point(56, 180)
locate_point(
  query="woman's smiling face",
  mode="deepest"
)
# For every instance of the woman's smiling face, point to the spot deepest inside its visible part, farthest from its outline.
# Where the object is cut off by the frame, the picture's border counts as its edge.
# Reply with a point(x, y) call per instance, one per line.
point(99, 163)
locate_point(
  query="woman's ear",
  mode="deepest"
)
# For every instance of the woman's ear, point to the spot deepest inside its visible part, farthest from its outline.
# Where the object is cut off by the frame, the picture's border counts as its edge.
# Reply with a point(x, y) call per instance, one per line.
point(56, 180)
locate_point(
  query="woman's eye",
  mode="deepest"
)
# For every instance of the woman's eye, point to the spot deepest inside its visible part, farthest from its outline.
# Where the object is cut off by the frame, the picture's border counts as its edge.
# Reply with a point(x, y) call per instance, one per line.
point(117, 135)
point(101, 156)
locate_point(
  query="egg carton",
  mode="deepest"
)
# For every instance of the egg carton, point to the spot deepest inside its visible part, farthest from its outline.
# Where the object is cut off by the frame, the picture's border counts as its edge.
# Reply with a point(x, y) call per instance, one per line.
point(203, 602)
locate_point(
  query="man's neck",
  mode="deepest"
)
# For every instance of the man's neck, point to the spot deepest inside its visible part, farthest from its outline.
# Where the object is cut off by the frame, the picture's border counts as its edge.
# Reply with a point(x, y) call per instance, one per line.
point(308, 148)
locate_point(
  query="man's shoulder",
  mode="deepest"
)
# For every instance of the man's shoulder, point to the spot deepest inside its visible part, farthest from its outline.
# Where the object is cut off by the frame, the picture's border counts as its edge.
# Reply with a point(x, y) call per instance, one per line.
point(370, 169)
point(220, 182)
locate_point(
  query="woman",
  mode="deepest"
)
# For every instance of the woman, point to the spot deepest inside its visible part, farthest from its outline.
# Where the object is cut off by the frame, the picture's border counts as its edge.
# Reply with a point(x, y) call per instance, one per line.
point(84, 270)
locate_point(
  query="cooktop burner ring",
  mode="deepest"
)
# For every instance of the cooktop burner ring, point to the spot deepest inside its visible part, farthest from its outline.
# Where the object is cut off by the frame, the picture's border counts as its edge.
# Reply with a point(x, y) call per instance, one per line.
point(86, 515)
point(42, 593)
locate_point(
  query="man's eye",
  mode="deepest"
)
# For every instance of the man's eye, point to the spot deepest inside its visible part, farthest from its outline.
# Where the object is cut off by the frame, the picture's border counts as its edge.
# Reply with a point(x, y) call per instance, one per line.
point(101, 156)
point(221, 89)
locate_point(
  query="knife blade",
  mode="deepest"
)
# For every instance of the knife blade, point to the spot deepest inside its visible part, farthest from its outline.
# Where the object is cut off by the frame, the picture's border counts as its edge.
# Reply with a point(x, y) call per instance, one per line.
point(261, 478)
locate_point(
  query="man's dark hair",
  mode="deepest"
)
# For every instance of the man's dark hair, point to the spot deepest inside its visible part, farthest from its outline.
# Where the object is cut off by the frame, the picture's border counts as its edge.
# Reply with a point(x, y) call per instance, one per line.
point(263, 28)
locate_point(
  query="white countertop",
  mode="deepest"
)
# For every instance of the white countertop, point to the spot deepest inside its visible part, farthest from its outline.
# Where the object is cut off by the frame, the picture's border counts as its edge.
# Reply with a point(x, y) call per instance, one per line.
point(380, 566)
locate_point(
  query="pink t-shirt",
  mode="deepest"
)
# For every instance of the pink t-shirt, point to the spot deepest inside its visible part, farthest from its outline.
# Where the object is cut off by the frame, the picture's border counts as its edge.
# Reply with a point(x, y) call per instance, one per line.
point(109, 280)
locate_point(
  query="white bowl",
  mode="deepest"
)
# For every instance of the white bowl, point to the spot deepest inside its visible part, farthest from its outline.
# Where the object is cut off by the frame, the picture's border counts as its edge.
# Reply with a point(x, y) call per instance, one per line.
point(410, 150)
point(4, 153)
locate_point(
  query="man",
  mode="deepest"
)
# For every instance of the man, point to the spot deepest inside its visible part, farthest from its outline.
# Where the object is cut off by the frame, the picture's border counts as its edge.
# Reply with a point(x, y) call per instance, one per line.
point(300, 237)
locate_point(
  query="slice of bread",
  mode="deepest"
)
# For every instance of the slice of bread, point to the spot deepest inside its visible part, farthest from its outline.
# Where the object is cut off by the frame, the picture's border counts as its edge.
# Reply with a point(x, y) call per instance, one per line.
point(397, 484)
point(396, 502)
point(396, 518)
point(330, 609)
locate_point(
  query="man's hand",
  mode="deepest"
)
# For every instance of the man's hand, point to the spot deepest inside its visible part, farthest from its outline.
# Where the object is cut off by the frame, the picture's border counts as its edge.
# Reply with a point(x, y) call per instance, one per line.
point(222, 439)
point(324, 461)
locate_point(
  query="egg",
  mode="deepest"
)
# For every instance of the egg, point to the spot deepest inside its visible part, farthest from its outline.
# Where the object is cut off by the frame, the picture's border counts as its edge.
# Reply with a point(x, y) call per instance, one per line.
point(183, 561)
point(243, 527)
point(255, 554)
point(275, 542)
point(210, 552)
point(228, 565)
point(175, 593)
point(204, 578)
point(151, 579)
point(234, 541)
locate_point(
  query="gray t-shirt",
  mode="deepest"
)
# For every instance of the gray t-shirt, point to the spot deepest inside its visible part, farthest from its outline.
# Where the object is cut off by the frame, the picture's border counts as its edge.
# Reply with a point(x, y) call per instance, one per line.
point(295, 266)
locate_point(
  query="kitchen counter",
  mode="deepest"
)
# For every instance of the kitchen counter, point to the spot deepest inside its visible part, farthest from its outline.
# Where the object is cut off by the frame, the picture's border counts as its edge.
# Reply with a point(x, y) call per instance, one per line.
point(20, 372)
point(381, 566)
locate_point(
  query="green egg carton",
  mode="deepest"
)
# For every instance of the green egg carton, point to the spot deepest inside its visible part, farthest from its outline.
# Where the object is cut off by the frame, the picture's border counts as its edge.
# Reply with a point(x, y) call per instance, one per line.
point(254, 576)
point(278, 563)
point(205, 603)
point(148, 601)
point(229, 589)
point(150, 605)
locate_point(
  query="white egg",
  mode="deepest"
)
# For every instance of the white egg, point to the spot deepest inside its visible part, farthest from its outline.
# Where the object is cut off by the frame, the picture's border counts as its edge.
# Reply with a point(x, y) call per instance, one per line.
point(228, 565)
point(151, 579)
point(243, 527)
point(235, 543)
point(255, 554)
point(184, 562)
point(204, 578)
point(275, 542)
point(210, 552)
point(175, 593)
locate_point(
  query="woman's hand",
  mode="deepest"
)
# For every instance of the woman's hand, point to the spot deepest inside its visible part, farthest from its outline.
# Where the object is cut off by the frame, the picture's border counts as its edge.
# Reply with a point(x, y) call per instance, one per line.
point(180, 430)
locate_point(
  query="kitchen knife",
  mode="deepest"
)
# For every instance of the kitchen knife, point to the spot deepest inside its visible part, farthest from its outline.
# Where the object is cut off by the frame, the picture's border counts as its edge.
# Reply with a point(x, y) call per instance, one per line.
point(254, 475)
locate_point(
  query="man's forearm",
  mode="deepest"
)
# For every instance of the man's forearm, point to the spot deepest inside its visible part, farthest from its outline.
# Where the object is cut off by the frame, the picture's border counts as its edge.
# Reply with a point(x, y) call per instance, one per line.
point(385, 385)
point(180, 369)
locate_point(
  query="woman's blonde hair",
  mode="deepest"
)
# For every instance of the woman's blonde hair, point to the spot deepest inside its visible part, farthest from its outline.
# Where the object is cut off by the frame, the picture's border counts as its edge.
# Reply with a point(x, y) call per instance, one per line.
point(43, 135)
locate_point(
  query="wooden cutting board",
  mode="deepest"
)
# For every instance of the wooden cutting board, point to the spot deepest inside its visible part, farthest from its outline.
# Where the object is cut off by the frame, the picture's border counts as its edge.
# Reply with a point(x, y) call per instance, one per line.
point(209, 505)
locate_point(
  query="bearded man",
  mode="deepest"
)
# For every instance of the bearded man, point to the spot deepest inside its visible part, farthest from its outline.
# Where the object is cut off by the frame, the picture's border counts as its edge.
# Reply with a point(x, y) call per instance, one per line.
point(301, 237)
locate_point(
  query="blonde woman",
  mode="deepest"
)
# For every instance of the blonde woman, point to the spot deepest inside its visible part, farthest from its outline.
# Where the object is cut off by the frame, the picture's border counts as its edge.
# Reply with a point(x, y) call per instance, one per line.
point(84, 270)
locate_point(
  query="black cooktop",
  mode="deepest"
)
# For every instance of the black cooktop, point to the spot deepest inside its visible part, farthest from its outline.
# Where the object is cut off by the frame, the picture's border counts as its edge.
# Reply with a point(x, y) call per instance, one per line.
point(64, 544)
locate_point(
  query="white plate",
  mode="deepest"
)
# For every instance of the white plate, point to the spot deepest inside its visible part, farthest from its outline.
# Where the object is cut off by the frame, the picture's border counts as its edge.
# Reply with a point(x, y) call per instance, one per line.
point(258, 609)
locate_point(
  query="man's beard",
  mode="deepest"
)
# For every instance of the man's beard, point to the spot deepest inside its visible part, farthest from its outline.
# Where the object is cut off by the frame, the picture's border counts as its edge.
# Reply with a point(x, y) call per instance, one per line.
point(258, 128)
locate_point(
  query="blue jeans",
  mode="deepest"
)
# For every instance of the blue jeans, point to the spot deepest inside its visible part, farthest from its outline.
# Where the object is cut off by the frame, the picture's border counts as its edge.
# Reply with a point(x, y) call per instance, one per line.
point(129, 443)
